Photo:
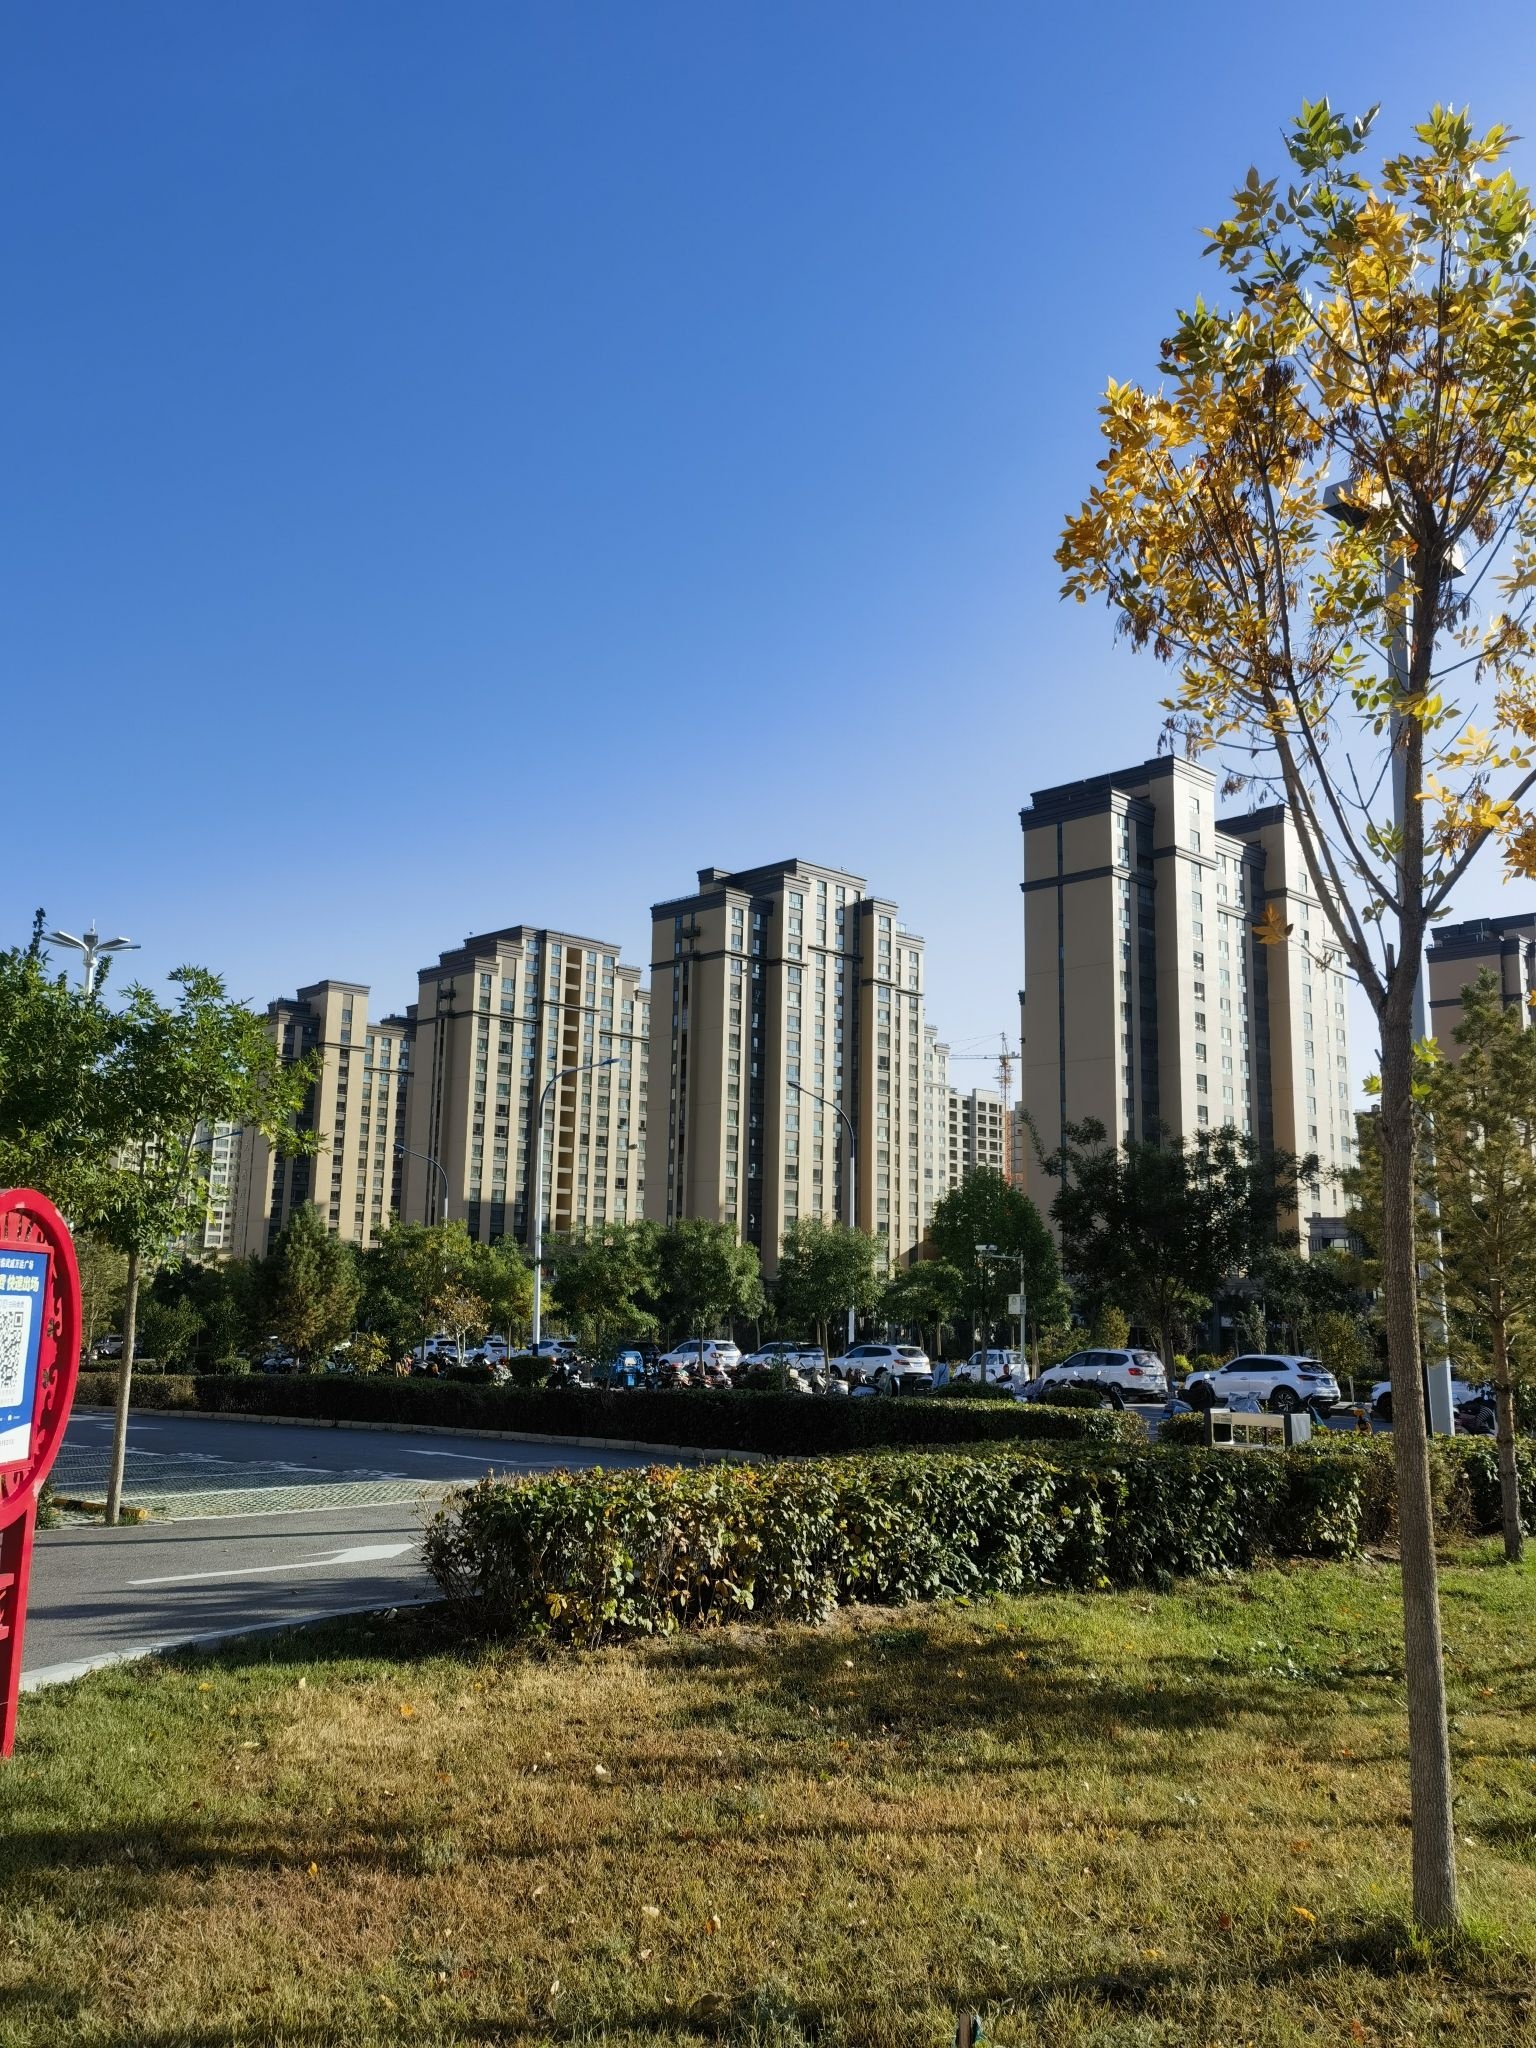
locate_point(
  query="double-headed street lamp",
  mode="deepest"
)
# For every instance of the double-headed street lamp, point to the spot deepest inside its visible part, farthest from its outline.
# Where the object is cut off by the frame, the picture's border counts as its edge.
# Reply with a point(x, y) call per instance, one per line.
point(537, 1190)
point(990, 1251)
point(93, 947)
point(853, 1169)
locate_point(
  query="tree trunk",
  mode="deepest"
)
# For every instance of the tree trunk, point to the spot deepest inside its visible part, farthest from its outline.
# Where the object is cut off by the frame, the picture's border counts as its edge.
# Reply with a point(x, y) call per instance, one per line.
point(124, 1386)
point(1429, 1749)
point(1509, 1470)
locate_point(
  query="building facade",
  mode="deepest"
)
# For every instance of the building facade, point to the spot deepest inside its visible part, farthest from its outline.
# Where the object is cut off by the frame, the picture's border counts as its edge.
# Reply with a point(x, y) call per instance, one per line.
point(978, 1133)
point(357, 1109)
point(936, 1182)
point(786, 999)
point(1458, 953)
point(497, 1021)
point(1150, 1003)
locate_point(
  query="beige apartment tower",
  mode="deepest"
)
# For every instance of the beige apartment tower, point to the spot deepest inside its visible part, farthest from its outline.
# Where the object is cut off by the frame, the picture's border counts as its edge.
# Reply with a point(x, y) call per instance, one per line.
point(1149, 1003)
point(357, 1107)
point(1458, 954)
point(773, 987)
point(978, 1133)
point(497, 1020)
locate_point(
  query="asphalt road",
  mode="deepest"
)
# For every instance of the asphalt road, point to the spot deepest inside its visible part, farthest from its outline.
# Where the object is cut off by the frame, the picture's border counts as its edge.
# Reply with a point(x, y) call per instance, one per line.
point(256, 1525)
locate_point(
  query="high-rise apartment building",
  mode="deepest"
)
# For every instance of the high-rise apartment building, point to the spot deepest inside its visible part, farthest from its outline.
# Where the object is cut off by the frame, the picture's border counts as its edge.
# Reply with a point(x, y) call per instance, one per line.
point(1458, 953)
point(357, 1109)
point(936, 1182)
point(978, 1133)
point(1150, 1003)
point(498, 1019)
point(773, 987)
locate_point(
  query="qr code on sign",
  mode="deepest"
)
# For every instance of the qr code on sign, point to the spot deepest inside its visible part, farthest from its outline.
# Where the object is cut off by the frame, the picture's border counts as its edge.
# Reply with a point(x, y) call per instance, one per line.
point(15, 1328)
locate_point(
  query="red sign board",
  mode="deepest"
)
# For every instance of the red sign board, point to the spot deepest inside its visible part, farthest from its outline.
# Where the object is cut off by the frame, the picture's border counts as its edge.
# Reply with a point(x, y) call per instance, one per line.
point(39, 1364)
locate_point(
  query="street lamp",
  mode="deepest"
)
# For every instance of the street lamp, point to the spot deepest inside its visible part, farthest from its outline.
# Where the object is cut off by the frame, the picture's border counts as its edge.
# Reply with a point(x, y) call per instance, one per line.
point(432, 1160)
point(537, 1193)
point(991, 1251)
point(853, 1169)
point(93, 946)
point(1351, 512)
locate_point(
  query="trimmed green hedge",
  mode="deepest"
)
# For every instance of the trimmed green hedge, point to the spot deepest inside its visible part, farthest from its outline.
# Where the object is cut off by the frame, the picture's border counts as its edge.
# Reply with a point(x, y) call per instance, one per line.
point(782, 1425)
point(583, 1556)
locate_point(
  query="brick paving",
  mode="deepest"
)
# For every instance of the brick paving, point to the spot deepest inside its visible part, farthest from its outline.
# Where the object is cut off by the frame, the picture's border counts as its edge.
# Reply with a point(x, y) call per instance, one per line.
point(187, 1486)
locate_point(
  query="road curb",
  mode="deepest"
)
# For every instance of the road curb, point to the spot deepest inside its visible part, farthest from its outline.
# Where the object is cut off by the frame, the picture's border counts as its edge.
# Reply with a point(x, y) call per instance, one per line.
point(502, 1436)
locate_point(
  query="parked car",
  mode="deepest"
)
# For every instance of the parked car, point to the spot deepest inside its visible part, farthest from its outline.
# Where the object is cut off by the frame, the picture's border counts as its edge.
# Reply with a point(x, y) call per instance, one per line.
point(1462, 1396)
point(694, 1354)
point(1135, 1375)
point(890, 1368)
point(780, 1352)
point(1281, 1381)
point(110, 1346)
point(561, 1349)
point(989, 1368)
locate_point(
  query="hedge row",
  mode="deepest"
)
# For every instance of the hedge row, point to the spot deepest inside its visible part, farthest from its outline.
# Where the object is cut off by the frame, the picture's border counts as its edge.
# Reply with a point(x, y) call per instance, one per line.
point(1464, 1475)
point(783, 1425)
point(583, 1556)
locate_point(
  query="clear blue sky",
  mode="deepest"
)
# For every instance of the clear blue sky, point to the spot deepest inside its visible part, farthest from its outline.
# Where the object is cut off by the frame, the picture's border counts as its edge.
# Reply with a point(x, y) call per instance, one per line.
point(477, 463)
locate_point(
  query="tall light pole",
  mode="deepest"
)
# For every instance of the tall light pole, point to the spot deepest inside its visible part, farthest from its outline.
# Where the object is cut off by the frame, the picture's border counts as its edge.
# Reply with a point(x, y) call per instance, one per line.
point(537, 1192)
point(93, 947)
point(853, 1169)
point(431, 1159)
point(1350, 512)
point(991, 1251)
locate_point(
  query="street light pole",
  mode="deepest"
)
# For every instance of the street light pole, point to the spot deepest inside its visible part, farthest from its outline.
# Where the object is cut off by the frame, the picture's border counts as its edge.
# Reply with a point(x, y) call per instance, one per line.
point(92, 946)
point(1437, 1376)
point(537, 1191)
point(432, 1160)
point(853, 1169)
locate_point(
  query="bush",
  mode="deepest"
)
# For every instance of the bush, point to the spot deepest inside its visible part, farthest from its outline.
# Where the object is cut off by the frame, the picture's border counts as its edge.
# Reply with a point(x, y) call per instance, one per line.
point(972, 1390)
point(784, 1425)
point(1078, 1397)
point(583, 1556)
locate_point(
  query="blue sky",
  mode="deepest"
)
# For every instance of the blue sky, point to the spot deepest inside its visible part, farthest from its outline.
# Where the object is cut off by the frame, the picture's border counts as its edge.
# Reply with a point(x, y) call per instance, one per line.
point(480, 463)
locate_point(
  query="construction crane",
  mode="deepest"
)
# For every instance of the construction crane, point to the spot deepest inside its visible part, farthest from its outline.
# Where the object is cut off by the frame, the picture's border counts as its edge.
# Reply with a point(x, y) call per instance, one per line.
point(1004, 1062)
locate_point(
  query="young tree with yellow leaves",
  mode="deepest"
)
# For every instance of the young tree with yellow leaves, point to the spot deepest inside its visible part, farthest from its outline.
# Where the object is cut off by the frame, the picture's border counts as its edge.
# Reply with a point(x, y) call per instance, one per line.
point(1376, 363)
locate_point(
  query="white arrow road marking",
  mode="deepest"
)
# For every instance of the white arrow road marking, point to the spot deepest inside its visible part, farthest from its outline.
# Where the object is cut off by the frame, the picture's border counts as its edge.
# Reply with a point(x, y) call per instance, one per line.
point(361, 1553)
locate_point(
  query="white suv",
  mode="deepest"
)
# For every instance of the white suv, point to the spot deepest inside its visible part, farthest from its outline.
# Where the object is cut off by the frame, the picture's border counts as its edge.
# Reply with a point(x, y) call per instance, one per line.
point(893, 1368)
point(1281, 1381)
point(990, 1367)
point(1135, 1375)
point(697, 1352)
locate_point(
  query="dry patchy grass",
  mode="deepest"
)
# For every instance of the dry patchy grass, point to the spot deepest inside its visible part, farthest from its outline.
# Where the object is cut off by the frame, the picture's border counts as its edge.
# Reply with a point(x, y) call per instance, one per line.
point(1116, 1820)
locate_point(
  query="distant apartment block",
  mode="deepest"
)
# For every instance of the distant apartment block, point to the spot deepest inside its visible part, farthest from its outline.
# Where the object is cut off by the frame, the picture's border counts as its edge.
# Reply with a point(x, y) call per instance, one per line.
point(978, 1133)
point(356, 1108)
point(1458, 953)
point(496, 1020)
point(1149, 1002)
point(1018, 1148)
point(936, 1182)
point(785, 998)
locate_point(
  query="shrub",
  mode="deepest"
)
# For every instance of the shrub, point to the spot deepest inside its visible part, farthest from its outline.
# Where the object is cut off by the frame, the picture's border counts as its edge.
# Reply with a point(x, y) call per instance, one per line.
point(973, 1390)
point(583, 1556)
point(527, 1371)
point(1077, 1397)
point(784, 1425)
point(1181, 1429)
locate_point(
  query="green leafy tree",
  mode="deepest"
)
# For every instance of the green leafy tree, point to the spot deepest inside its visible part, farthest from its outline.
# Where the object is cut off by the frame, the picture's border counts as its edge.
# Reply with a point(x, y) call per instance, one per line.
point(926, 1296)
point(605, 1284)
point(103, 1285)
point(988, 1210)
point(310, 1287)
point(169, 1329)
point(1111, 1328)
point(1342, 1341)
point(407, 1268)
point(503, 1279)
point(459, 1308)
point(169, 1072)
point(1380, 337)
point(705, 1277)
point(1158, 1227)
point(53, 1038)
point(1481, 1122)
point(825, 1269)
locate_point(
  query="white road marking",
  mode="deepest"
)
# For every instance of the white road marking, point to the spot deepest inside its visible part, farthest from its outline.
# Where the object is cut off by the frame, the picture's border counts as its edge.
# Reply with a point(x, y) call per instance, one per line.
point(360, 1553)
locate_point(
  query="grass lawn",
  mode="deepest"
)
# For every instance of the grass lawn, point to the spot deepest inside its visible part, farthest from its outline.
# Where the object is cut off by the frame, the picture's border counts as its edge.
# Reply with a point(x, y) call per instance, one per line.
point(1139, 1819)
